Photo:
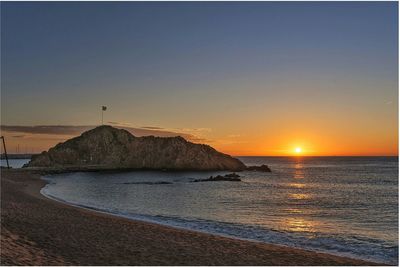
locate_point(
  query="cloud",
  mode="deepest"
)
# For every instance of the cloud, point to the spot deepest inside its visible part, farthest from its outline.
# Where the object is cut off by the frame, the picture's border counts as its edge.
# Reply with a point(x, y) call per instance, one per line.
point(195, 135)
point(200, 140)
point(194, 129)
point(229, 142)
point(181, 130)
point(153, 128)
point(68, 131)
point(47, 129)
point(18, 136)
point(116, 123)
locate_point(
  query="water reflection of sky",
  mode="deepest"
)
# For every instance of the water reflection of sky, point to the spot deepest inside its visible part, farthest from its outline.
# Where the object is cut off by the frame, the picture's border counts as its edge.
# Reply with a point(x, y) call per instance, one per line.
point(310, 197)
point(14, 163)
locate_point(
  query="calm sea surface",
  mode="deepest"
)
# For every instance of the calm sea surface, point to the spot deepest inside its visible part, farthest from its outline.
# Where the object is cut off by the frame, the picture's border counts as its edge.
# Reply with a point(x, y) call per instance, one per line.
point(14, 163)
point(341, 205)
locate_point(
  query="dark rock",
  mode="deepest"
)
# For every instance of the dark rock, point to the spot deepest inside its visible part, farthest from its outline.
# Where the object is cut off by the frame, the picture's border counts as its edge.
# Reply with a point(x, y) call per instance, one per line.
point(106, 147)
point(262, 168)
point(232, 177)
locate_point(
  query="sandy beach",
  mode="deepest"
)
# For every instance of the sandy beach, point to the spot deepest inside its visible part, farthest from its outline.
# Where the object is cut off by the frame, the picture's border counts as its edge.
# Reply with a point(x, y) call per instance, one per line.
point(39, 231)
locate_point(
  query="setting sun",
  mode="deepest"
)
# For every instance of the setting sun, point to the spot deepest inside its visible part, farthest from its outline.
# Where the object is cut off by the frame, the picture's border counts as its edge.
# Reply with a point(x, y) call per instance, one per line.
point(297, 150)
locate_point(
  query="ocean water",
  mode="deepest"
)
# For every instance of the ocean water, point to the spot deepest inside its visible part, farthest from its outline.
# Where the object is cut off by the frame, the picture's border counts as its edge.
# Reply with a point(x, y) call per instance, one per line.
point(341, 205)
point(14, 163)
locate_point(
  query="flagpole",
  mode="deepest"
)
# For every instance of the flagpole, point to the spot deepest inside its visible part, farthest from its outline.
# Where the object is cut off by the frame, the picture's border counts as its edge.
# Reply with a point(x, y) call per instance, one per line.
point(103, 108)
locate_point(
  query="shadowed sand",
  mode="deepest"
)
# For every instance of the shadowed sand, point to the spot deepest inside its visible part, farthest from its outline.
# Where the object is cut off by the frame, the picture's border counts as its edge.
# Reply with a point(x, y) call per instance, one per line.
point(39, 231)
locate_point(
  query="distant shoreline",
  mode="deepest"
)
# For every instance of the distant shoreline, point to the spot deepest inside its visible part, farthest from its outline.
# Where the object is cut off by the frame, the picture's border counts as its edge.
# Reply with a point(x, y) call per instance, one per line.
point(17, 156)
point(64, 235)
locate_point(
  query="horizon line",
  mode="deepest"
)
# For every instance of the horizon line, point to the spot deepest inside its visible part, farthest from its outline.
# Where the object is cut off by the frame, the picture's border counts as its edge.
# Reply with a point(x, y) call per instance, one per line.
point(270, 156)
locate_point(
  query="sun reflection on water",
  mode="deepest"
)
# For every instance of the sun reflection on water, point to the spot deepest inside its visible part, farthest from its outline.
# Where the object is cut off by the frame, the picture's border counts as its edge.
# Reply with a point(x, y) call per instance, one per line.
point(294, 211)
point(299, 196)
point(296, 185)
point(298, 224)
point(298, 171)
point(296, 220)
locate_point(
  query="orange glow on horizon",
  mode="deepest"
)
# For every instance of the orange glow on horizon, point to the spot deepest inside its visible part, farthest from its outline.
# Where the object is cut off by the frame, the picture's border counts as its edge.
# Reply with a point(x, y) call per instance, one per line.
point(321, 145)
point(271, 143)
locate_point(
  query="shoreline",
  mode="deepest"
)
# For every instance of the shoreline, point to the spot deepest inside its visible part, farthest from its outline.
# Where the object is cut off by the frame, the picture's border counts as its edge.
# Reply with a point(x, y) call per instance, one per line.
point(65, 234)
point(150, 221)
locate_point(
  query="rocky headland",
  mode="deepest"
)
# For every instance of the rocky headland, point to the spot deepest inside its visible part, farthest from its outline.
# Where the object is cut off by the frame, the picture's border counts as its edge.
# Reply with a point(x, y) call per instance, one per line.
point(106, 147)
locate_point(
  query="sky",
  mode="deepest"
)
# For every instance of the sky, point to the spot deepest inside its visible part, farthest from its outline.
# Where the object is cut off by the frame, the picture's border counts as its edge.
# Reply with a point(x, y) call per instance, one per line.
point(260, 78)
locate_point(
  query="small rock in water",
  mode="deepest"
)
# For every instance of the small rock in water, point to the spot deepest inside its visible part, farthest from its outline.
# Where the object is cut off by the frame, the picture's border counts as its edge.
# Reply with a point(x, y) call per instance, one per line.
point(231, 177)
point(262, 168)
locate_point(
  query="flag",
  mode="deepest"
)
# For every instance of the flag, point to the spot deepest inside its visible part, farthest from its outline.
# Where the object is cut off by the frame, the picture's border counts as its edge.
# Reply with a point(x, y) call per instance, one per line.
point(104, 108)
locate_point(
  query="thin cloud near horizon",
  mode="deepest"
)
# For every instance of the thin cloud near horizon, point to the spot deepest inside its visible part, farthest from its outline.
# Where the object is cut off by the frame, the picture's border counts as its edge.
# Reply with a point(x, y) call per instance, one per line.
point(78, 129)
point(42, 137)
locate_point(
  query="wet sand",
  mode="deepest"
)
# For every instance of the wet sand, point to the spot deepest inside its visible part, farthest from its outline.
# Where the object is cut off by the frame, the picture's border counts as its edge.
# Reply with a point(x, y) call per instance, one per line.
point(39, 231)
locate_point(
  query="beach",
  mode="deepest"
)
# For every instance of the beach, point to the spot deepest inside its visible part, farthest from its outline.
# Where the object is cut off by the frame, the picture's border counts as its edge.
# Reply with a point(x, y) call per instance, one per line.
point(36, 230)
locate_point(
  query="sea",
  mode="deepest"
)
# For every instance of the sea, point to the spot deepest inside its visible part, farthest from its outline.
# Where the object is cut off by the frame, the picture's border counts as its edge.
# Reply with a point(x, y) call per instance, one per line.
point(345, 206)
point(14, 163)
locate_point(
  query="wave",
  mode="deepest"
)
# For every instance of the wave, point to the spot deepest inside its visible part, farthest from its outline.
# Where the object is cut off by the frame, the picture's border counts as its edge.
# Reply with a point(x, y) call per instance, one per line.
point(148, 183)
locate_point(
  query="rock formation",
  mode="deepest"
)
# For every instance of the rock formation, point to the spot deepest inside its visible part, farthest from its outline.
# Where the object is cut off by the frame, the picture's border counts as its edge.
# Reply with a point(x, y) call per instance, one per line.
point(106, 147)
point(232, 177)
point(262, 168)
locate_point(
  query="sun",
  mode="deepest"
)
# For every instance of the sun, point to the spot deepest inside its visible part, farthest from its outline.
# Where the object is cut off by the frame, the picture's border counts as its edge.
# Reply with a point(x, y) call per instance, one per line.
point(298, 150)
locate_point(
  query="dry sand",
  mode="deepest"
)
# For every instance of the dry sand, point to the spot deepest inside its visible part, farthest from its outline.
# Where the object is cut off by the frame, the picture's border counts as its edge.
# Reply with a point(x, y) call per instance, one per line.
point(39, 231)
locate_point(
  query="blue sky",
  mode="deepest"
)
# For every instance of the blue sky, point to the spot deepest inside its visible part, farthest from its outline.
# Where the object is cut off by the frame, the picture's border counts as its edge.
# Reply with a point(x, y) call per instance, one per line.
point(197, 64)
